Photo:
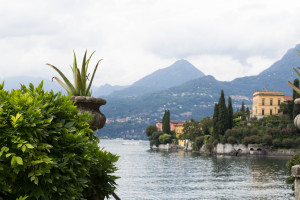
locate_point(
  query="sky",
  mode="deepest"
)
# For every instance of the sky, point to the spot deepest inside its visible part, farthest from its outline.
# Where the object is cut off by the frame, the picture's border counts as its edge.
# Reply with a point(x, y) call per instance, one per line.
point(226, 39)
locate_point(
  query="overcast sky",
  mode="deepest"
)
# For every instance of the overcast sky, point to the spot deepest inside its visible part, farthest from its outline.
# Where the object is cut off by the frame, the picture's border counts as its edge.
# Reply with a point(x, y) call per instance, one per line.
point(226, 39)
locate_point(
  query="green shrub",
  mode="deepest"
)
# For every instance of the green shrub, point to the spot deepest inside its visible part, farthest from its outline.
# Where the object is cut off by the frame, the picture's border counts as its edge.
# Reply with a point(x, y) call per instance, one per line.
point(246, 140)
point(276, 143)
point(155, 138)
point(199, 142)
point(298, 142)
point(294, 161)
point(255, 139)
point(231, 140)
point(288, 143)
point(48, 150)
point(267, 140)
point(165, 138)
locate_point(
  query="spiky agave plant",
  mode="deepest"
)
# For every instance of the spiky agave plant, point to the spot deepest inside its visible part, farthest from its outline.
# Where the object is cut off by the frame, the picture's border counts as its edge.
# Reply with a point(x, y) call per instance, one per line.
point(291, 84)
point(80, 87)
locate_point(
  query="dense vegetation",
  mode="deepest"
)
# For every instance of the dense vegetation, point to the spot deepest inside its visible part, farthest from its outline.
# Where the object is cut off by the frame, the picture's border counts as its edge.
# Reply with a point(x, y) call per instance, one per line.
point(48, 150)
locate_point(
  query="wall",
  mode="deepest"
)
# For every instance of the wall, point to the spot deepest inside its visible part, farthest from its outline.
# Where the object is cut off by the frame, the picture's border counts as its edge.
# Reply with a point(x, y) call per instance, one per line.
point(229, 149)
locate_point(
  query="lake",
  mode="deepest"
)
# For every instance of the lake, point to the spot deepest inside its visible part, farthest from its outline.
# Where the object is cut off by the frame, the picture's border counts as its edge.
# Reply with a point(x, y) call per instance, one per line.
point(182, 175)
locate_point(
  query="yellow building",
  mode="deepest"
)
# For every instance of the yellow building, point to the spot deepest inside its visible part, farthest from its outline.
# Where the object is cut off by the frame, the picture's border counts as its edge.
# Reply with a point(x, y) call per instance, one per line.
point(266, 103)
point(179, 128)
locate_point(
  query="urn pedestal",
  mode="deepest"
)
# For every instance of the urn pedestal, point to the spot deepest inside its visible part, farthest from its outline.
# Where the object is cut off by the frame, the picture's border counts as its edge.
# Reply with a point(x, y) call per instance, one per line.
point(92, 106)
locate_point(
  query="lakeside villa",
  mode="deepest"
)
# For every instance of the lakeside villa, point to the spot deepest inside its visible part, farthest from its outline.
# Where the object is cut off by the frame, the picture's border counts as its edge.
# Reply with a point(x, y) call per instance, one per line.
point(266, 103)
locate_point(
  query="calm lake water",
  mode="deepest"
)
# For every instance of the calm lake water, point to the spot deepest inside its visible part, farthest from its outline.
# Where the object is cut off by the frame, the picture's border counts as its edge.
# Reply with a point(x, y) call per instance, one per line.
point(149, 174)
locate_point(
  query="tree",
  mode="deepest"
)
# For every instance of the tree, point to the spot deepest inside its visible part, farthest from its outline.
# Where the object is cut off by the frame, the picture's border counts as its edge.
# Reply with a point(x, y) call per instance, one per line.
point(192, 129)
point(215, 119)
point(243, 107)
point(166, 122)
point(222, 115)
point(206, 124)
point(150, 130)
point(230, 113)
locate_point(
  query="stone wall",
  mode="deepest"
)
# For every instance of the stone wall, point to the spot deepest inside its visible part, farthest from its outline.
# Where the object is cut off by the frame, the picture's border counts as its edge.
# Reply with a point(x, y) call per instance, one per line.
point(231, 149)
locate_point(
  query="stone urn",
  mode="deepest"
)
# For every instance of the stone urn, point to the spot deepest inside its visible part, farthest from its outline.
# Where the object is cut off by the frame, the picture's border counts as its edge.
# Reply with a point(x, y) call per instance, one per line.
point(92, 106)
point(297, 118)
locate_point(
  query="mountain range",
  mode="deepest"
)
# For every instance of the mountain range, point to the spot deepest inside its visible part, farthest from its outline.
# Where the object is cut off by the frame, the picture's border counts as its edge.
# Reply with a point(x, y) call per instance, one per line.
point(181, 88)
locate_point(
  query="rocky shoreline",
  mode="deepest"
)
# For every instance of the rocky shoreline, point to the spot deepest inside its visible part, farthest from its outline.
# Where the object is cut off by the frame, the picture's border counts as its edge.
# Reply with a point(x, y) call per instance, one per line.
point(230, 149)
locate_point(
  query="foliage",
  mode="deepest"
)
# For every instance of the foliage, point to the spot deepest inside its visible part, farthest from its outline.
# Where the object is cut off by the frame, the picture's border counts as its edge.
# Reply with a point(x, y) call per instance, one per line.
point(267, 140)
point(166, 122)
point(230, 113)
point(222, 115)
point(45, 144)
point(231, 140)
point(276, 143)
point(155, 138)
point(165, 138)
point(199, 142)
point(192, 129)
point(294, 161)
point(206, 124)
point(80, 87)
point(150, 130)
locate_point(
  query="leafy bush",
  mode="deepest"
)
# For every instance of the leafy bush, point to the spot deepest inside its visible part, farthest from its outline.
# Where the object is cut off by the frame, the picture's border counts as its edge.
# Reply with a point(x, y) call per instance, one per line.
point(246, 140)
point(45, 144)
point(255, 139)
point(150, 130)
point(199, 142)
point(276, 143)
point(165, 138)
point(294, 161)
point(267, 139)
point(155, 138)
point(231, 140)
point(288, 143)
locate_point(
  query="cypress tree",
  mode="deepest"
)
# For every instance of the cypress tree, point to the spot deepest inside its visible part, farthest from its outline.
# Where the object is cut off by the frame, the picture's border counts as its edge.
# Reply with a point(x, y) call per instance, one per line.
point(243, 107)
point(163, 121)
point(222, 115)
point(168, 129)
point(230, 114)
point(166, 122)
point(215, 119)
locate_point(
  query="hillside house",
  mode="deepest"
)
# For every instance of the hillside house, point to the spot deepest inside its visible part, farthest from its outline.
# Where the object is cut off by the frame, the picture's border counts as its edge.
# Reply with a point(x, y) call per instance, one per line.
point(176, 126)
point(266, 103)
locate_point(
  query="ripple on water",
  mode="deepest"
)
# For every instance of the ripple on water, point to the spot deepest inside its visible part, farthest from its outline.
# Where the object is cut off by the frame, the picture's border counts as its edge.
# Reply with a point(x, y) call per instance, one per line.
point(180, 175)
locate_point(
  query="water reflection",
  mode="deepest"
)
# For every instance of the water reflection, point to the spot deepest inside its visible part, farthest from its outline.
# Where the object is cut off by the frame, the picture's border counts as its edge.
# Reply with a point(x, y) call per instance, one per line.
point(184, 175)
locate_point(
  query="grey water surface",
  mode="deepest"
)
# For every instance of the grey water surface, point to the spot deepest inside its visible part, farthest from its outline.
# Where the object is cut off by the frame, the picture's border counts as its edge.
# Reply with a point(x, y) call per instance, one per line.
point(182, 175)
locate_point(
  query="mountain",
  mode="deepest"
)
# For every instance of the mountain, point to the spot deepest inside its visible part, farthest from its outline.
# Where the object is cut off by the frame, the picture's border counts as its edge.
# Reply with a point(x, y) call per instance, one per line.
point(194, 98)
point(174, 75)
point(179, 72)
point(107, 89)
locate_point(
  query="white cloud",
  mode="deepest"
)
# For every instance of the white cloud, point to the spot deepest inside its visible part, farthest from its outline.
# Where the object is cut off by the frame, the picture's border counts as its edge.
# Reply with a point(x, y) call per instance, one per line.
point(226, 39)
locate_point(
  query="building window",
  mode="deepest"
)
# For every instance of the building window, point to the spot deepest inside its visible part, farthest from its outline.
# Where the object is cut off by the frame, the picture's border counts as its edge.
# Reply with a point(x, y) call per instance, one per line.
point(271, 102)
point(263, 101)
point(255, 110)
point(158, 124)
point(263, 112)
point(279, 102)
point(271, 111)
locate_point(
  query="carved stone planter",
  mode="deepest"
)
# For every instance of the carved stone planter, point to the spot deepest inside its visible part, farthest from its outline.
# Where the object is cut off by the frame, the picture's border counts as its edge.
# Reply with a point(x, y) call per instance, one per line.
point(92, 106)
point(297, 118)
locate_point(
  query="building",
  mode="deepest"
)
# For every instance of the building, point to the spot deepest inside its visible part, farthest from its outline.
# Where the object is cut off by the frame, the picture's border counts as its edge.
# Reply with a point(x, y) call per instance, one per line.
point(176, 126)
point(266, 103)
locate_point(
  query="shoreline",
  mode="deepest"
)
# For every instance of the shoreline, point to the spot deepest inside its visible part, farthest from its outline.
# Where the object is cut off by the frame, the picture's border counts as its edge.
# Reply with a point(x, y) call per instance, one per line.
point(237, 150)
